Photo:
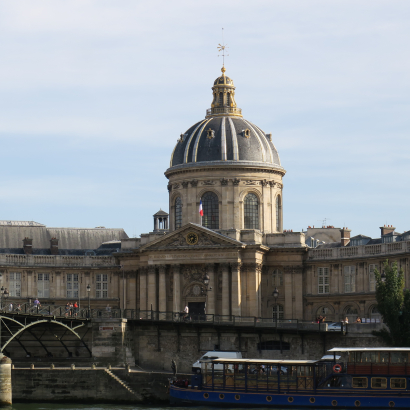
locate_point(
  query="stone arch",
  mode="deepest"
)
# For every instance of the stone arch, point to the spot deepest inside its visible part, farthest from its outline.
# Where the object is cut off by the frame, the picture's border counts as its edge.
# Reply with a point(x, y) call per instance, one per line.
point(351, 310)
point(250, 190)
point(330, 313)
point(373, 313)
point(206, 189)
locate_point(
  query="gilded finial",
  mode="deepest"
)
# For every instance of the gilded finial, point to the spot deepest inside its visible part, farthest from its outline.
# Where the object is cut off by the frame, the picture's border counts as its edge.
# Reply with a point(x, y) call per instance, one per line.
point(223, 69)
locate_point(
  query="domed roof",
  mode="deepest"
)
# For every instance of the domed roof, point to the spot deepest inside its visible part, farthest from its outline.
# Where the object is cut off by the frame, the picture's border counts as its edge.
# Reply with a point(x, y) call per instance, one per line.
point(224, 136)
point(223, 79)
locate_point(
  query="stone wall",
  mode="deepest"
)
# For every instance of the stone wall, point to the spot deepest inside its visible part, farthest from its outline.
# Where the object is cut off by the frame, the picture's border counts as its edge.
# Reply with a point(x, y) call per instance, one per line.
point(155, 347)
point(94, 386)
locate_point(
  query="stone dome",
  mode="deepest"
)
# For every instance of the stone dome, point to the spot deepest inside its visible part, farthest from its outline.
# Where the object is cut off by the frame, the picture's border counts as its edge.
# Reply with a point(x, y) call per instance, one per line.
point(224, 136)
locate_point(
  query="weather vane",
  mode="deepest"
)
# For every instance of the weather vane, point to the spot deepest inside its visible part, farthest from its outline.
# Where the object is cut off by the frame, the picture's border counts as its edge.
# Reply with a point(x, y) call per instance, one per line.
point(221, 48)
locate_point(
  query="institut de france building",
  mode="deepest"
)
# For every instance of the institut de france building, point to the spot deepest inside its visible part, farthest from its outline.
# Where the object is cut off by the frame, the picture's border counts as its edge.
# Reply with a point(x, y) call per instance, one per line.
point(255, 268)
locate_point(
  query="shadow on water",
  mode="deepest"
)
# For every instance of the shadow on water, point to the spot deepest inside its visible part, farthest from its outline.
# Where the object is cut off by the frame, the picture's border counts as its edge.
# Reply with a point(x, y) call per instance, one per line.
point(58, 406)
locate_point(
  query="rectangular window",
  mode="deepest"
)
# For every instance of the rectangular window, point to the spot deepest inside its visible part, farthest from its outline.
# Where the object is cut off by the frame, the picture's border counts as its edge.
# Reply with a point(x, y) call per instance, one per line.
point(277, 278)
point(372, 277)
point(397, 383)
point(323, 280)
point(379, 383)
point(350, 279)
point(43, 285)
point(72, 285)
point(359, 382)
point(15, 284)
point(101, 286)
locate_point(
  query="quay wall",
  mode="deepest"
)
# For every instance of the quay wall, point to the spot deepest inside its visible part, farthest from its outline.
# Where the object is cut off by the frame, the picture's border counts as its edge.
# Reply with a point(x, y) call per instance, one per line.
point(88, 385)
point(155, 346)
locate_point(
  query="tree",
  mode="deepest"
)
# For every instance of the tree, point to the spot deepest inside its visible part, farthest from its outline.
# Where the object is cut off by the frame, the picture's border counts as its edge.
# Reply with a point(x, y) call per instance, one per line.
point(393, 303)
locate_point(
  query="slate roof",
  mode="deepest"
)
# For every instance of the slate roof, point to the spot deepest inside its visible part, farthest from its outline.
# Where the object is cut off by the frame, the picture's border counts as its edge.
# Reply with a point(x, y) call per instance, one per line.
point(11, 236)
point(227, 144)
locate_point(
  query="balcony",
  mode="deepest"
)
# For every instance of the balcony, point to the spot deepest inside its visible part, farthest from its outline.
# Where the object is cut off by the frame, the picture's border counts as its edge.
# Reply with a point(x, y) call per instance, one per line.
point(224, 111)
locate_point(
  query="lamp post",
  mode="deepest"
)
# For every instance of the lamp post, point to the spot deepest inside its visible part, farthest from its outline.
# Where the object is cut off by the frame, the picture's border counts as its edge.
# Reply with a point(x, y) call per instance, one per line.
point(205, 279)
point(275, 294)
point(88, 292)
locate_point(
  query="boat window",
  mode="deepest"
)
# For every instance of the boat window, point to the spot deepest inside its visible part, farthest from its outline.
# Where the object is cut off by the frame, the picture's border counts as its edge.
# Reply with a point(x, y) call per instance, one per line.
point(399, 357)
point(397, 383)
point(370, 357)
point(379, 383)
point(359, 382)
point(384, 357)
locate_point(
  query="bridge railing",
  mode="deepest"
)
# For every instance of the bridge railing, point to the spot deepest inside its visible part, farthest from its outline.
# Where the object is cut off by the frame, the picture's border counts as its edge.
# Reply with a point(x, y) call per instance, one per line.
point(172, 317)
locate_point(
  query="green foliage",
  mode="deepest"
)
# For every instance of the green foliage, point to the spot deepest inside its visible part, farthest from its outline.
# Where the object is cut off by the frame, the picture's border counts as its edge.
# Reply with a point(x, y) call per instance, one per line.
point(393, 303)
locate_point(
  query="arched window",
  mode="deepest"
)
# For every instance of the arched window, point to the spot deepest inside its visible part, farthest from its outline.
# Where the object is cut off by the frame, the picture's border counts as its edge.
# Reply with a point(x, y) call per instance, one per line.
point(351, 313)
point(326, 313)
point(221, 99)
point(278, 213)
point(251, 211)
point(210, 207)
point(374, 314)
point(277, 312)
point(178, 212)
point(277, 278)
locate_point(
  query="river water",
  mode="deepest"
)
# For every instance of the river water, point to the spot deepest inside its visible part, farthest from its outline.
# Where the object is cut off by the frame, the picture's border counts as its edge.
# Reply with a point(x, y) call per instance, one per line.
point(49, 406)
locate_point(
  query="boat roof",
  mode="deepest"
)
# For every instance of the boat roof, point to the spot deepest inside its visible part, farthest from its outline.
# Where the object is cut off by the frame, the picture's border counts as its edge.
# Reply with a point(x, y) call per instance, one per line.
point(261, 361)
point(370, 349)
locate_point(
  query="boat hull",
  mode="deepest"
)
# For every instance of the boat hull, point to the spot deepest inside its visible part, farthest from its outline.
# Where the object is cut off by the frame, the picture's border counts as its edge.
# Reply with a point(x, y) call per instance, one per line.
point(345, 400)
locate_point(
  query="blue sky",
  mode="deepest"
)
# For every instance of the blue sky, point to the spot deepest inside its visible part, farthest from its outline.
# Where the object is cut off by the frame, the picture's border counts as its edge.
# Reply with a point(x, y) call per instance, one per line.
point(94, 94)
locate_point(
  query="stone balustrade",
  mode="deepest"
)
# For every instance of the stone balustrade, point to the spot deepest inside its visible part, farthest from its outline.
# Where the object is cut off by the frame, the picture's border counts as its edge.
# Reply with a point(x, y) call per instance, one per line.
point(56, 260)
point(362, 251)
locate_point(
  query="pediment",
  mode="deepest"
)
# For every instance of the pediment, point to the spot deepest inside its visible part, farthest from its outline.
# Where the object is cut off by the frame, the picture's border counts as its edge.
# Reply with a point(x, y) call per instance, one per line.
point(200, 238)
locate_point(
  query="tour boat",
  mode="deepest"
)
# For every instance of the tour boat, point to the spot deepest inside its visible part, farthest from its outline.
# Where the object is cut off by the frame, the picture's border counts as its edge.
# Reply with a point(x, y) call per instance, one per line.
point(370, 378)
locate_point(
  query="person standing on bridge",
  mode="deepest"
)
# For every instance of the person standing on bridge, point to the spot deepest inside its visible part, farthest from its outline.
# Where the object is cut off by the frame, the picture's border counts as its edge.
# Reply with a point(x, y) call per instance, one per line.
point(37, 304)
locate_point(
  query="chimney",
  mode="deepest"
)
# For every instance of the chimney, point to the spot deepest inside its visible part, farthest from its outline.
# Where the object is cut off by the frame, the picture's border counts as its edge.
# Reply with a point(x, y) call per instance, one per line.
point(384, 230)
point(28, 246)
point(54, 246)
point(345, 236)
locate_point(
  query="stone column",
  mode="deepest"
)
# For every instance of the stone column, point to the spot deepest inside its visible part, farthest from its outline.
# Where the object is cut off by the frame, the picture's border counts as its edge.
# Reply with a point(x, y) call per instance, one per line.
point(210, 303)
point(143, 288)
point(254, 276)
point(176, 303)
point(237, 223)
point(162, 294)
point(152, 288)
point(236, 289)
point(225, 288)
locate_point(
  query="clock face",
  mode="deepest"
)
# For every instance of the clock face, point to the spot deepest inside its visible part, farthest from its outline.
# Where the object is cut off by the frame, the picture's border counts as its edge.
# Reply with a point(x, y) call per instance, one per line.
point(192, 238)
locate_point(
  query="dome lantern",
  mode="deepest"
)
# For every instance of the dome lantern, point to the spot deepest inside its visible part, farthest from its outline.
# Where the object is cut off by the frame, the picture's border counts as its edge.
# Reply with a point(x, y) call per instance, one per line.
point(223, 103)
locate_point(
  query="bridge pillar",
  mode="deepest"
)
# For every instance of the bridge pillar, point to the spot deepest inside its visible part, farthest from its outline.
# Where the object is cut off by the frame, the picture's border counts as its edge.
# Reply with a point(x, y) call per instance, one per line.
point(5, 380)
point(112, 342)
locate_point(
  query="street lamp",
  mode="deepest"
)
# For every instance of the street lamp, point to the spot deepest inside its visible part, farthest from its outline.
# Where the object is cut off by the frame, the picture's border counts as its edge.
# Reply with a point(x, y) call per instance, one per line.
point(205, 279)
point(275, 294)
point(88, 291)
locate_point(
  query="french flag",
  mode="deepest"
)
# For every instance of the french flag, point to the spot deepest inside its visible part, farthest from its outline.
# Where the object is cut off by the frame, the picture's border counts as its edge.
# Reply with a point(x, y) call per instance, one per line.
point(201, 212)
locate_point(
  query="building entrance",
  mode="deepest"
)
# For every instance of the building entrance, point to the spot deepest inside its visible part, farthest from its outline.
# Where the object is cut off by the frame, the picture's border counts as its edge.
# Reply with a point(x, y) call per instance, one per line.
point(196, 308)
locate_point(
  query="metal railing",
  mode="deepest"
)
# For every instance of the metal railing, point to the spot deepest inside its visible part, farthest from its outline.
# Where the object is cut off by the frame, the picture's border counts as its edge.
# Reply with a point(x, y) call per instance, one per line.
point(223, 110)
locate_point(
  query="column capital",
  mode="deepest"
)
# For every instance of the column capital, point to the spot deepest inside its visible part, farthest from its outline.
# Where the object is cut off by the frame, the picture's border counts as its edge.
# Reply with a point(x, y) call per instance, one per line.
point(161, 268)
point(236, 265)
point(176, 268)
point(151, 269)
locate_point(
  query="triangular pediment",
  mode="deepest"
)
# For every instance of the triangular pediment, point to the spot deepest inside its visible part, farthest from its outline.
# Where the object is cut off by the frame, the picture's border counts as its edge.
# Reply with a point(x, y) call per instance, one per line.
point(192, 236)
